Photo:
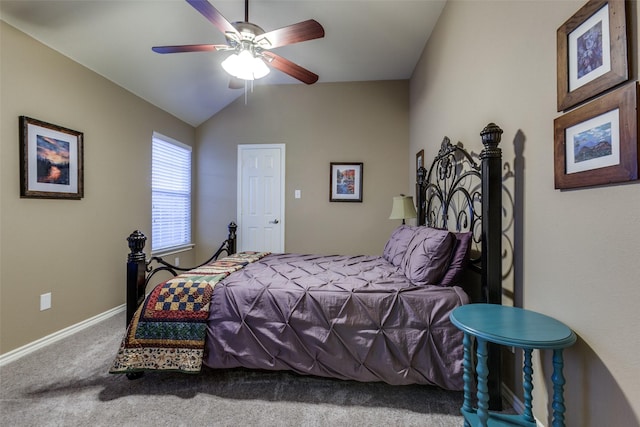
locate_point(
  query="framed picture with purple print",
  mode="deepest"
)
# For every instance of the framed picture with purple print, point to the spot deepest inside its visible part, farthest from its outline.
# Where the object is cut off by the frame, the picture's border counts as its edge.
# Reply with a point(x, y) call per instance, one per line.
point(591, 52)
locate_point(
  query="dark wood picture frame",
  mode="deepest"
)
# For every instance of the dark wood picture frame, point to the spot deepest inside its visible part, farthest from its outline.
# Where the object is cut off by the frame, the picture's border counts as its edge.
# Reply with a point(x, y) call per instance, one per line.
point(345, 182)
point(51, 161)
point(585, 129)
point(419, 160)
point(610, 66)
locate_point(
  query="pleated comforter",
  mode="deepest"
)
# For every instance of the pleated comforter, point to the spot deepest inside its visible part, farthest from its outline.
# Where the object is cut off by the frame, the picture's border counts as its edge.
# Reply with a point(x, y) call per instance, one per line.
point(347, 317)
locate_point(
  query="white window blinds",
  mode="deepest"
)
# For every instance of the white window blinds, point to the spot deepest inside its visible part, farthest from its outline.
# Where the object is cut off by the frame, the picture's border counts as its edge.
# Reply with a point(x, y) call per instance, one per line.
point(171, 194)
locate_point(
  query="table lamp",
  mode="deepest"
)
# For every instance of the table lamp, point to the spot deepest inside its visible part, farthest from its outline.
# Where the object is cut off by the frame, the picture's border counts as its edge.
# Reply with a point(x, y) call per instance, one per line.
point(403, 208)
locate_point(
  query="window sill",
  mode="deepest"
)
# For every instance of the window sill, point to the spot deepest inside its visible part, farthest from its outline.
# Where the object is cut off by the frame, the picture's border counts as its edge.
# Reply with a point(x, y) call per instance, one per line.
point(173, 250)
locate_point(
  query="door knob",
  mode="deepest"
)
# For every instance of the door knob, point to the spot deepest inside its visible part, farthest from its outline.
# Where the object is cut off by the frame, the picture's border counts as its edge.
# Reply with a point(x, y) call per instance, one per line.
point(275, 221)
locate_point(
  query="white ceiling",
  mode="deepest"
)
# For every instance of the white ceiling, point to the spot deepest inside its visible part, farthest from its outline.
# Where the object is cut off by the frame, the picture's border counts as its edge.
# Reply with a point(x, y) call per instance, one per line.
point(365, 40)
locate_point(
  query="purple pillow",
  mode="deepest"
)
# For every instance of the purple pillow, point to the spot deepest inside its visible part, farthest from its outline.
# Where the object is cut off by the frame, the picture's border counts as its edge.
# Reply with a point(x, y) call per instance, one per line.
point(459, 259)
point(397, 244)
point(427, 257)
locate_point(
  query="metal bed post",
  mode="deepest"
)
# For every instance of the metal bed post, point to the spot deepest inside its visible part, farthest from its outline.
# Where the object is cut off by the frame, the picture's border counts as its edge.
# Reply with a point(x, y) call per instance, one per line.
point(491, 158)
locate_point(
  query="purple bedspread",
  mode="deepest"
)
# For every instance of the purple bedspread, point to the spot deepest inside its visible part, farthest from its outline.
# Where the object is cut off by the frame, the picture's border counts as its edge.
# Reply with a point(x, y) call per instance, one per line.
point(347, 317)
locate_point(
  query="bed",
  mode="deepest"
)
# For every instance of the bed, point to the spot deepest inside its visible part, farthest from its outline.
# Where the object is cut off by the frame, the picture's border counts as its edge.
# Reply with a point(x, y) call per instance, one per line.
point(364, 318)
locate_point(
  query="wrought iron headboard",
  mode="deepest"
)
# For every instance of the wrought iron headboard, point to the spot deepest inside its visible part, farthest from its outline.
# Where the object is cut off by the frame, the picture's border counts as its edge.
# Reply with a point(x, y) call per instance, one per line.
point(451, 194)
point(460, 194)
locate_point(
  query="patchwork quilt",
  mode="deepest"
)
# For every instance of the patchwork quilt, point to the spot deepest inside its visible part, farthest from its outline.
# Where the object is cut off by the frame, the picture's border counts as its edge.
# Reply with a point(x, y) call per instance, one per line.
point(168, 330)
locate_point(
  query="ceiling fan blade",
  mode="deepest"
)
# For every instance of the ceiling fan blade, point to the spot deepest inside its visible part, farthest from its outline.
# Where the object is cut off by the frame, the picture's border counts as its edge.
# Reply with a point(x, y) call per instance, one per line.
point(290, 68)
point(295, 33)
point(190, 48)
point(211, 13)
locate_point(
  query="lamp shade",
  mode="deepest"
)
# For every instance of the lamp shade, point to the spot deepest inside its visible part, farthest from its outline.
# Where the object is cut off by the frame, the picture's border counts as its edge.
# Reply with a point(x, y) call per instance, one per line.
point(403, 208)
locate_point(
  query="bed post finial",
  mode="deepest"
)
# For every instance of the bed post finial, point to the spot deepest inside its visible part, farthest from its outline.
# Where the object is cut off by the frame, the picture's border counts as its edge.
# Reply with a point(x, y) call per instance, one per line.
point(136, 245)
point(231, 240)
point(421, 175)
point(491, 136)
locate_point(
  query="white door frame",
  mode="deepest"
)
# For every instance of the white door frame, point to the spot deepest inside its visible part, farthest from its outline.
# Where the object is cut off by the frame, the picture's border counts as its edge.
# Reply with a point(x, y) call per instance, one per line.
point(241, 149)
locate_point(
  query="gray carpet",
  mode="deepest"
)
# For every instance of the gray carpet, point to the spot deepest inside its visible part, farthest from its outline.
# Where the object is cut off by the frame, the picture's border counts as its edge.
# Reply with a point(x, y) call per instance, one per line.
point(67, 384)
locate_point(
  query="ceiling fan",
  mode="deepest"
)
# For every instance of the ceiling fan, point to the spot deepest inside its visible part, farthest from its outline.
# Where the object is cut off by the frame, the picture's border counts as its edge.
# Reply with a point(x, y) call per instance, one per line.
point(251, 45)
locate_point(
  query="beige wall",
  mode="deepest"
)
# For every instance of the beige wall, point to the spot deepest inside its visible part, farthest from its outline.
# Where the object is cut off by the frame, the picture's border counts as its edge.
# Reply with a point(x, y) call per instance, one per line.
point(577, 252)
point(354, 122)
point(75, 249)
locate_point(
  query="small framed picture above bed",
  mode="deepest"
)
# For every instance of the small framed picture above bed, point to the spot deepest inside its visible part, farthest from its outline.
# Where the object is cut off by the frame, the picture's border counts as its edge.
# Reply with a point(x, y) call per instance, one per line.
point(597, 144)
point(51, 165)
point(592, 52)
point(345, 182)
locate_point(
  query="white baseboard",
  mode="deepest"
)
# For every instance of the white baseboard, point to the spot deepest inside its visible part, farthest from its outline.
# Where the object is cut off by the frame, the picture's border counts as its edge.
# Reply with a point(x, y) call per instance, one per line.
point(512, 399)
point(57, 336)
point(515, 403)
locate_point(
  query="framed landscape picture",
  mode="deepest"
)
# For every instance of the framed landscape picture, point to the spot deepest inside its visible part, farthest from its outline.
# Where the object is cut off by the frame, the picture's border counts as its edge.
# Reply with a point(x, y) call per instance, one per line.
point(591, 52)
point(345, 183)
point(597, 143)
point(51, 161)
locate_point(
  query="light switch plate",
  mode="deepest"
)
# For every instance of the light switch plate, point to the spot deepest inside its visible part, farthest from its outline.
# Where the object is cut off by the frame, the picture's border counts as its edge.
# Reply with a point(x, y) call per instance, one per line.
point(45, 301)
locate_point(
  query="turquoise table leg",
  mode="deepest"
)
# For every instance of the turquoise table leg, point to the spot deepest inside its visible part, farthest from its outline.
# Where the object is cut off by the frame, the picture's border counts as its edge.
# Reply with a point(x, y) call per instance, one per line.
point(558, 389)
point(467, 376)
point(482, 371)
point(528, 386)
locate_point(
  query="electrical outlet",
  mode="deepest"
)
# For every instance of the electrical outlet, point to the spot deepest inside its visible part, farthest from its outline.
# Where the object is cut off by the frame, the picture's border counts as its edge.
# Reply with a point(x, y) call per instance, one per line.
point(297, 194)
point(45, 301)
point(177, 262)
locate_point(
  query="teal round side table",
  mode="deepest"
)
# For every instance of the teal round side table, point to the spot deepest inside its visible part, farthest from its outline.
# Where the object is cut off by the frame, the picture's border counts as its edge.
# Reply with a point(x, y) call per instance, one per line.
point(514, 327)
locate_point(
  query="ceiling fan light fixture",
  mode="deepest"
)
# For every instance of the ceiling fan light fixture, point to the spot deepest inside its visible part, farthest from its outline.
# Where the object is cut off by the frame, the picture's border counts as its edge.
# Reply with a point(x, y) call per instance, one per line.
point(244, 65)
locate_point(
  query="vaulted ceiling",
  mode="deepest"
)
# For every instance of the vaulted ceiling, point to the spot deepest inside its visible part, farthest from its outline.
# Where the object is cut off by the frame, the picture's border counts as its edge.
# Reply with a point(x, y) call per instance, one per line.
point(365, 40)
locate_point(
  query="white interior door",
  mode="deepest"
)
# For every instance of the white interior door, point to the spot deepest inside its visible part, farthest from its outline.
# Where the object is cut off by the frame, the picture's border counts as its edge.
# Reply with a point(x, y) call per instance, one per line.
point(261, 197)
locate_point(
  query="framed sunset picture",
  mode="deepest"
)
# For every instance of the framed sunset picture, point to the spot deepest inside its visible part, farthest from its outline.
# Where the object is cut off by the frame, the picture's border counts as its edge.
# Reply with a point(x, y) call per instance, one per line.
point(51, 164)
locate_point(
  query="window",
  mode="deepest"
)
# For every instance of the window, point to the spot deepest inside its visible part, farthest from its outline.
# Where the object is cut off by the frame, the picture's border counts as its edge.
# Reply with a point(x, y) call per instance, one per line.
point(170, 194)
